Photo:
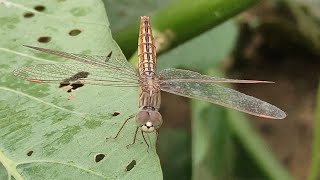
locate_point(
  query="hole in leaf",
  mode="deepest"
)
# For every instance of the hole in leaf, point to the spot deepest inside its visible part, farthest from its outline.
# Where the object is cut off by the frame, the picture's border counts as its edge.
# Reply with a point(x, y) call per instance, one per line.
point(39, 8)
point(30, 153)
point(74, 32)
point(28, 14)
point(72, 83)
point(99, 157)
point(131, 165)
point(115, 114)
point(44, 39)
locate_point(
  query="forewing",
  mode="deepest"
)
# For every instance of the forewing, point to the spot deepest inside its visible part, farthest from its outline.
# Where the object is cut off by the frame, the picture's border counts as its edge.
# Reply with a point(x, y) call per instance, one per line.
point(180, 75)
point(227, 97)
point(76, 72)
point(107, 62)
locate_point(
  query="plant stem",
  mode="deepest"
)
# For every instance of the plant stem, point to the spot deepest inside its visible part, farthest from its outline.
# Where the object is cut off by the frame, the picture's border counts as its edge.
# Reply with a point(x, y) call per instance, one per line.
point(183, 20)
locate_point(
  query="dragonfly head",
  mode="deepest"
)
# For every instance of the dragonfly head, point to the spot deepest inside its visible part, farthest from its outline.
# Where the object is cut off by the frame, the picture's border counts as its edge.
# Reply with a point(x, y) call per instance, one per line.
point(148, 120)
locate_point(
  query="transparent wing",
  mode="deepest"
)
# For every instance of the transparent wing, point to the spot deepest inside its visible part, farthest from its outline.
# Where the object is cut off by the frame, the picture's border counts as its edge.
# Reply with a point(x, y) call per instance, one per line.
point(76, 73)
point(100, 61)
point(200, 87)
point(180, 75)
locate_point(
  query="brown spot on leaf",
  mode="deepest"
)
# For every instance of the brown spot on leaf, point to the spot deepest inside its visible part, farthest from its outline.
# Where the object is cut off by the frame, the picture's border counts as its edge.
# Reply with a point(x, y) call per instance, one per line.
point(28, 14)
point(115, 114)
point(44, 39)
point(74, 32)
point(39, 8)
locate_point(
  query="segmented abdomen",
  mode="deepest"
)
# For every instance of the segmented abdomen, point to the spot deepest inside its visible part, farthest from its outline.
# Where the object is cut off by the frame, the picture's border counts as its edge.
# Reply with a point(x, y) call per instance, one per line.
point(146, 48)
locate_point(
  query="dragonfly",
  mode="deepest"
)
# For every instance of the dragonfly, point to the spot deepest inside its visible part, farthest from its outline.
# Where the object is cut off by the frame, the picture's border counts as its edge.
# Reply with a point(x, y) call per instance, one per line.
point(117, 72)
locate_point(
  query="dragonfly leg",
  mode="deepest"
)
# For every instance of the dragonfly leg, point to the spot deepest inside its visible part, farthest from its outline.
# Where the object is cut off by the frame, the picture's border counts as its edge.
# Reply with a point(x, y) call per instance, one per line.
point(144, 138)
point(124, 123)
point(157, 137)
point(134, 138)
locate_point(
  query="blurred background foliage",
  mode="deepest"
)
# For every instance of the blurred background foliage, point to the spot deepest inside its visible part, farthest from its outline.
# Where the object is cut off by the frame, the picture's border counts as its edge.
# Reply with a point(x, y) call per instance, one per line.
point(276, 40)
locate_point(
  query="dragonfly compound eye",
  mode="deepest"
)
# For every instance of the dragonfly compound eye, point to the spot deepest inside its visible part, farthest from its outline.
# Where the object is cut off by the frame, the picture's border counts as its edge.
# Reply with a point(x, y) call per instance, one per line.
point(142, 118)
point(148, 121)
point(155, 119)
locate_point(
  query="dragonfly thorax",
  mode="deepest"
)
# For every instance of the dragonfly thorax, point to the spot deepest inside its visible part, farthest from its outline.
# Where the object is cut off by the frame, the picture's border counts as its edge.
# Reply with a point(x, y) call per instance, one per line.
point(148, 119)
point(150, 93)
point(150, 83)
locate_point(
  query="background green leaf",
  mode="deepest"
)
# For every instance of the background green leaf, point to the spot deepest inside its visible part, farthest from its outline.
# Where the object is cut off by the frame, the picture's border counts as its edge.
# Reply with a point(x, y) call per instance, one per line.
point(315, 161)
point(44, 135)
point(225, 146)
point(206, 50)
point(181, 20)
point(125, 12)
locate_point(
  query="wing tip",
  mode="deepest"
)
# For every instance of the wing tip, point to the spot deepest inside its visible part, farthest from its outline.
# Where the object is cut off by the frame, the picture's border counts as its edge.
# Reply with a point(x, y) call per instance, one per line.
point(280, 115)
point(269, 82)
point(255, 81)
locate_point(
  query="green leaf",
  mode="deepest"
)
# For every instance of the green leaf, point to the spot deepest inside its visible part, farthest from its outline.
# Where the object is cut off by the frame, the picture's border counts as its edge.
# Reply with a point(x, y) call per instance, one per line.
point(207, 50)
point(307, 17)
point(217, 133)
point(182, 20)
point(211, 144)
point(315, 161)
point(43, 134)
point(255, 146)
point(175, 151)
point(124, 12)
